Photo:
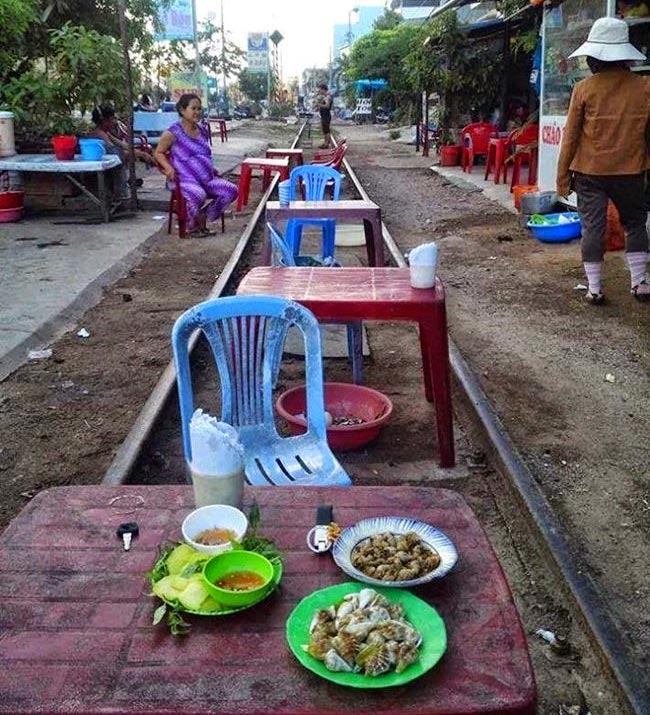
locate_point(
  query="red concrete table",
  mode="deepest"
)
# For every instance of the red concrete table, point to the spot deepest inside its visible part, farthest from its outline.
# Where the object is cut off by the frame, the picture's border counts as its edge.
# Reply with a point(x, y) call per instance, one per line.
point(280, 165)
point(76, 619)
point(295, 156)
point(347, 294)
point(342, 211)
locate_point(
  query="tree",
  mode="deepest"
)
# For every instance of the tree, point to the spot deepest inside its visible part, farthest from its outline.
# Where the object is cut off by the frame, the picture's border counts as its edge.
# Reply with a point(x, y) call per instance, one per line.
point(380, 55)
point(389, 20)
point(215, 57)
point(464, 73)
point(254, 85)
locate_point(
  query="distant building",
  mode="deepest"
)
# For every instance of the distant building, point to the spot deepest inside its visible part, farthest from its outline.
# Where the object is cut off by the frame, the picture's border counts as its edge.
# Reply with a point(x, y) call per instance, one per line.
point(361, 24)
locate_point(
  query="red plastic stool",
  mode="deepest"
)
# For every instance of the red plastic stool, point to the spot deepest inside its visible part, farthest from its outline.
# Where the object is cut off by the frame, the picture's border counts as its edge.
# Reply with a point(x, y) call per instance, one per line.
point(267, 165)
point(527, 157)
point(496, 155)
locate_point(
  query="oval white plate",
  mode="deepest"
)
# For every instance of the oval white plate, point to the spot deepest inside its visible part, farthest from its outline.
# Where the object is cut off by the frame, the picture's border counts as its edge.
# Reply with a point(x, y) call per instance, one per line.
point(351, 536)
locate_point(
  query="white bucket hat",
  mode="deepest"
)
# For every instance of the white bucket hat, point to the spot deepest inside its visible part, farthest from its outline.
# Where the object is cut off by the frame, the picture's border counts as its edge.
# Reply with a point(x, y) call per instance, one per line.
point(609, 41)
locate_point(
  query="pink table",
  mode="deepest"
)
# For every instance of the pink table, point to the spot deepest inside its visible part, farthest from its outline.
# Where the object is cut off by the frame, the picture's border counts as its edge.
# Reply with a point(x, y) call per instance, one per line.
point(347, 294)
point(341, 211)
point(76, 620)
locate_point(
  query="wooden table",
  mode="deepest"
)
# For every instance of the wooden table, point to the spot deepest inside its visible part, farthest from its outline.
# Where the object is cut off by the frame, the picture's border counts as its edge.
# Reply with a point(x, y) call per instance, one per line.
point(349, 294)
point(342, 211)
point(49, 164)
point(76, 618)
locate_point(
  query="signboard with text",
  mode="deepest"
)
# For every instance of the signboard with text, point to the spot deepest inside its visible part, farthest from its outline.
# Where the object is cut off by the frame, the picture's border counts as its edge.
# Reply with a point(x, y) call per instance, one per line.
point(258, 52)
point(188, 83)
point(177, 21)
point(551, 129)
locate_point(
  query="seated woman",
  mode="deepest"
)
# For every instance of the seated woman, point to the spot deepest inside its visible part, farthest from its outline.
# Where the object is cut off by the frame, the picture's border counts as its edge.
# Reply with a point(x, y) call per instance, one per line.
point(184, 154)
point(107, 128)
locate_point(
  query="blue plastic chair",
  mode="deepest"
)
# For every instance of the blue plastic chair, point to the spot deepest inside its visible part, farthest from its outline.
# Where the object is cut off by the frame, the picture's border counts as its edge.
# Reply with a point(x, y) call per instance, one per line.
point(243, 333)
point(281, 256)
point(315, 179)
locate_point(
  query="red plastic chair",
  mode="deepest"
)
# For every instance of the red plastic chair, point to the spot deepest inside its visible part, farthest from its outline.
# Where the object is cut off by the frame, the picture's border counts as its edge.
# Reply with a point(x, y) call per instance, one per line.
point(177, 206)
point(523, 145)
point(475, 139)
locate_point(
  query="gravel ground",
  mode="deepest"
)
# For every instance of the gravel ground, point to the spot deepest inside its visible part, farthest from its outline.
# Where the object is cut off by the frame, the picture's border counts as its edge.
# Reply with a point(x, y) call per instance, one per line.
point(542, 355)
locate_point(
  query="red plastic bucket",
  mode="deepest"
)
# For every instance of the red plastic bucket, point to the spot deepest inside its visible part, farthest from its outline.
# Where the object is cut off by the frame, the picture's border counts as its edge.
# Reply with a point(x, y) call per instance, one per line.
point(11, 200)
point(64, 147)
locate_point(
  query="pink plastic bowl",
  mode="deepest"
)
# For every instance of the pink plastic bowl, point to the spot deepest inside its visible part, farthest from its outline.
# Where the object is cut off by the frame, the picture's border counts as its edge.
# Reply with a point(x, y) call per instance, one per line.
point(8, 215)
point(341, 400)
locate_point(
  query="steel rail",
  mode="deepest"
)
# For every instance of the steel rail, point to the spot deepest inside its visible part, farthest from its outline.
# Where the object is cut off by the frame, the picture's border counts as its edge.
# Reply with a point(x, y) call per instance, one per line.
point(130, 449)
point(633, 682)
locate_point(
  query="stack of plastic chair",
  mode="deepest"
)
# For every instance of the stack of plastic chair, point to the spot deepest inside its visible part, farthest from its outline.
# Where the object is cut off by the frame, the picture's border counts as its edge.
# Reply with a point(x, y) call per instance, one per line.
point(475, 139)
point(313, 180)
point(282, 256)
point(245, 334)
point(524, 143)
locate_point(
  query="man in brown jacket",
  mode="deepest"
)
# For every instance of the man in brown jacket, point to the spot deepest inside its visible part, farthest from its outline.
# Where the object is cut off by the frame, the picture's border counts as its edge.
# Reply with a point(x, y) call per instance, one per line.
point(605, 149)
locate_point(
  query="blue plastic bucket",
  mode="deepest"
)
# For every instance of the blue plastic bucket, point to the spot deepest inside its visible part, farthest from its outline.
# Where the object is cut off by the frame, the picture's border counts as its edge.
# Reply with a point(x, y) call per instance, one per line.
point(92, 149)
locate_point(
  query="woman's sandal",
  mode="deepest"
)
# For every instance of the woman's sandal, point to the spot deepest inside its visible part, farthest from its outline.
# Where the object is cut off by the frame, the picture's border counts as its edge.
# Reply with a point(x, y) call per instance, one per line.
point(595, 298)
point(641, 291)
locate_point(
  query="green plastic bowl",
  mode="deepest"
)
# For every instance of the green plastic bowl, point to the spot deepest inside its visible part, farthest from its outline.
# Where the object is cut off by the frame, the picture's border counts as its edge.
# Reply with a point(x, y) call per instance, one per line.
point(230, 562)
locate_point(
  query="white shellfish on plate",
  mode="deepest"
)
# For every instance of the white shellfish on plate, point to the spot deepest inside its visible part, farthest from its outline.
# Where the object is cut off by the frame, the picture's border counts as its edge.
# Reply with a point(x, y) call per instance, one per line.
point(352, 536)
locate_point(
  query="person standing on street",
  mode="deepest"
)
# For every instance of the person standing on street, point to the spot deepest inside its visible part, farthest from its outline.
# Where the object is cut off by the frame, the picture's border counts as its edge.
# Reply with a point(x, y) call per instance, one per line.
point(604, 153)
point(325, 109)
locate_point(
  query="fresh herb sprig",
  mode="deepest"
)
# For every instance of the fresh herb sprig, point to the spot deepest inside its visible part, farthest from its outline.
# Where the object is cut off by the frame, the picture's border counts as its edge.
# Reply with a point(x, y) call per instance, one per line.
point(252, 541)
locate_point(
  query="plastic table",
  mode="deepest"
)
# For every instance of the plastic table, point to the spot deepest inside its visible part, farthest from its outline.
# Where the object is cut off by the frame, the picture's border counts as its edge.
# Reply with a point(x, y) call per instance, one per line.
point(349, 294)
point(48, 163)
point(76, 618)
point(280, 165)
point(342, 212)
point(295, 155)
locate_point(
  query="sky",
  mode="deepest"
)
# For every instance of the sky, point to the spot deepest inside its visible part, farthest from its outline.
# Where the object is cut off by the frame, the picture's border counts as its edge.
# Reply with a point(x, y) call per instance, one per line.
point(306, 25)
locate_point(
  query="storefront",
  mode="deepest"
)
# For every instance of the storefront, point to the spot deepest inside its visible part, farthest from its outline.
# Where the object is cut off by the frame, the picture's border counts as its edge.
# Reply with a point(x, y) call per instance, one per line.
point(564, 29)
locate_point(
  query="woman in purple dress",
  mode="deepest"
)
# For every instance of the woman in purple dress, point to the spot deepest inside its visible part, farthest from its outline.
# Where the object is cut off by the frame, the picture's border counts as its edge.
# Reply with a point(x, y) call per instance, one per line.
point(185, 156)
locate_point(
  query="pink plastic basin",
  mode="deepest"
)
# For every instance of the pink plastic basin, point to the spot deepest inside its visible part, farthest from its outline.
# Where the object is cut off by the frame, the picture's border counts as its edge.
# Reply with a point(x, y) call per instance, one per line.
point(341, 400)
point(8, 215)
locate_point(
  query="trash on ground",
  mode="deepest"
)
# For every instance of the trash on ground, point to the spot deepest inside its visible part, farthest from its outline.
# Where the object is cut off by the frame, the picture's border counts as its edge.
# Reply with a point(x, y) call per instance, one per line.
point(158, 217)
point(610, 378)
point(580, 286)
point(83, 333)
point(127, 297)
point(39, 354)
point(548, 636)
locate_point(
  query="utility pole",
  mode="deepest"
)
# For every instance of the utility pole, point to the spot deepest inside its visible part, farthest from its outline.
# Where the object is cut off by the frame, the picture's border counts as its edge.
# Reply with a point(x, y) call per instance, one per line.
point(197, 56)
point(225, 107)
point(126, 69)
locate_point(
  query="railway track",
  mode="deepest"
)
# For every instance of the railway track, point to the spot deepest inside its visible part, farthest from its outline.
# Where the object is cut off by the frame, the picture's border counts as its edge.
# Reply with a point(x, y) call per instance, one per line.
point(588, 604)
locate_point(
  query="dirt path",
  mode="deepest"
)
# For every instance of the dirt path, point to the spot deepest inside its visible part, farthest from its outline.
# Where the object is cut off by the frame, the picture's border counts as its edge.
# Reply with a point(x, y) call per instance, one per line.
point(542, 355)
point(61, 420)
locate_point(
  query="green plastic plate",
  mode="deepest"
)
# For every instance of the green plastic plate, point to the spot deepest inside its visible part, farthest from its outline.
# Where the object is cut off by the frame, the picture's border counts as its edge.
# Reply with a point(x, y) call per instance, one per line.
point(228, 610)
point(423, 616)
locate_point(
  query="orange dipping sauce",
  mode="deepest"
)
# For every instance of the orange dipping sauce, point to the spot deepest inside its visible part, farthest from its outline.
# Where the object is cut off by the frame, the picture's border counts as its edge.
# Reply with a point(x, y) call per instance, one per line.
point(240, 581)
